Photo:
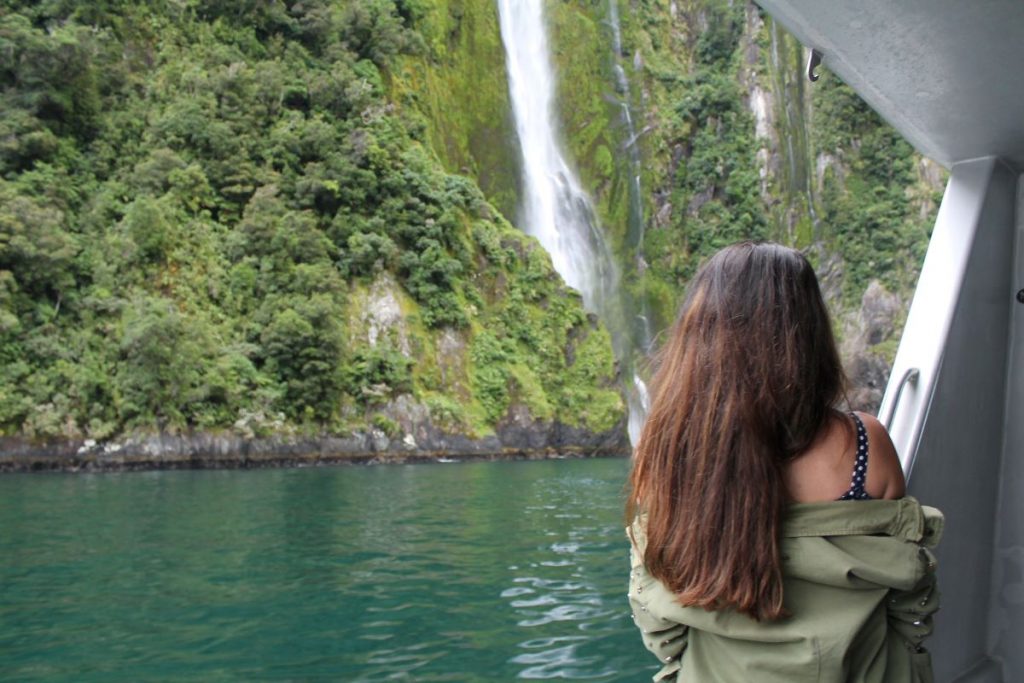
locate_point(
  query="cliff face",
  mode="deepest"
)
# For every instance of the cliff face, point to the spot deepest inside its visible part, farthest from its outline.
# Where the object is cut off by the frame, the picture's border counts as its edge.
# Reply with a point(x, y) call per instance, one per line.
point(741, 144)
point(734, 143)
point(457, 85)
point(267, 221)
point(295, 218)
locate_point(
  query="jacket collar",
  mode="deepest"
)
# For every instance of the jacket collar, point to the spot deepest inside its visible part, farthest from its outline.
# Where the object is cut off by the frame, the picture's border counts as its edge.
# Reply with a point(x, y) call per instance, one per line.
point(904, 518)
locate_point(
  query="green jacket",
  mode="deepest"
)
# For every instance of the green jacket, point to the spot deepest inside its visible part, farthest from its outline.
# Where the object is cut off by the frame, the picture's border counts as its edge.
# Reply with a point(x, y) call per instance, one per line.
point(859, 582)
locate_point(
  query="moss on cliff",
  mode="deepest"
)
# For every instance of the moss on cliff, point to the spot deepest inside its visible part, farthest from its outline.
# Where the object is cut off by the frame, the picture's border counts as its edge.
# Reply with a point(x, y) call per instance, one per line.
point(459, 87)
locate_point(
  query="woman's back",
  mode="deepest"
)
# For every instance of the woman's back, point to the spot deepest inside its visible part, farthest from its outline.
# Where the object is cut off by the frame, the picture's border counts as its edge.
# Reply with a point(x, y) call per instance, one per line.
point(860, 590)
point(859, 579)
point(771, 539)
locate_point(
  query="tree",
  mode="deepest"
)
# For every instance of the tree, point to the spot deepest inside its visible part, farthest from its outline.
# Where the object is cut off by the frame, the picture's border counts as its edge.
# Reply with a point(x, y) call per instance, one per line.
point(34, 246)
point(301, 347)
point(163, 354)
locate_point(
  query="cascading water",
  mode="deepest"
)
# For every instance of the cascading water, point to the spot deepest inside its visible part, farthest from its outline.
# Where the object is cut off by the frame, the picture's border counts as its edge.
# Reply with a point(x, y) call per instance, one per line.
point(556, 209)
point(635, 236)
point(639, 400)
point(799, 176)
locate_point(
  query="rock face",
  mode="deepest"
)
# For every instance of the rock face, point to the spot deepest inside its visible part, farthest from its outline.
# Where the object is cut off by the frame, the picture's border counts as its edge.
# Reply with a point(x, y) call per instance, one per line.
point(382, 314)
point(415, 438)
point(451, 358)
point(870, 345)
point(719, 156)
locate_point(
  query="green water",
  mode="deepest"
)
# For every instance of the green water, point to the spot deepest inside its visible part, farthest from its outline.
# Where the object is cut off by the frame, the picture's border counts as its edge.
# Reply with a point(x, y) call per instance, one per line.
point(459, 572)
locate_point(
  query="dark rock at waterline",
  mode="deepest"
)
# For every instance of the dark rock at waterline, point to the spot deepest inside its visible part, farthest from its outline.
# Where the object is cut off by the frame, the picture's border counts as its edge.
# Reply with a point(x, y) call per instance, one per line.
point(516, 437)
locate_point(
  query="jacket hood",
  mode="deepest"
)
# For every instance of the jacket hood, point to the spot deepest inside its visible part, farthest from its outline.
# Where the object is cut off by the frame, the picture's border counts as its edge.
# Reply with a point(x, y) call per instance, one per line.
point(904, 518)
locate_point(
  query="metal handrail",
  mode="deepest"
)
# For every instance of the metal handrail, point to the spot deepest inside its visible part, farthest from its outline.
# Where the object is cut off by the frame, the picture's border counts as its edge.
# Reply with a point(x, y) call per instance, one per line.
point(909, 376)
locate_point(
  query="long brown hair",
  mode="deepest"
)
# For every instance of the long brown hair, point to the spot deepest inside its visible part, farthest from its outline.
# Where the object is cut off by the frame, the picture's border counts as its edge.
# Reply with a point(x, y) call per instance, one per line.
point(748, 378)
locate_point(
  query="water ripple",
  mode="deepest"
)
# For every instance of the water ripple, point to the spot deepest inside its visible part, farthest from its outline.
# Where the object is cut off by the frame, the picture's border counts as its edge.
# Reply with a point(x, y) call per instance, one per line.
point(472, 573)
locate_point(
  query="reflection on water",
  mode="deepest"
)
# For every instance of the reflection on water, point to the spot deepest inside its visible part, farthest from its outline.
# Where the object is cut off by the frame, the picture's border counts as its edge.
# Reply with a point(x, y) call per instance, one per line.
point(467, 572)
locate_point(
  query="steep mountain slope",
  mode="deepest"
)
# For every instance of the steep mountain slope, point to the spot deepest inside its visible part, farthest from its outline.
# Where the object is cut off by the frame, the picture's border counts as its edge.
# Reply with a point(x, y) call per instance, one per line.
point(740, 144)
point(267, 218)
point(733, 143)
point(219, 216)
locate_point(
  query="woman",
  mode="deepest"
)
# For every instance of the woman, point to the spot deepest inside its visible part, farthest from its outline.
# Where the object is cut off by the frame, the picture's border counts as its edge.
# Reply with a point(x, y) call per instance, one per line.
point(771, 537)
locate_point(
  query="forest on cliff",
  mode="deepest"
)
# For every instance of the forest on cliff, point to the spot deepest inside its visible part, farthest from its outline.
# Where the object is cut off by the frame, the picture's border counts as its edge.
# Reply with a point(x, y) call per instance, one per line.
point(274, 217)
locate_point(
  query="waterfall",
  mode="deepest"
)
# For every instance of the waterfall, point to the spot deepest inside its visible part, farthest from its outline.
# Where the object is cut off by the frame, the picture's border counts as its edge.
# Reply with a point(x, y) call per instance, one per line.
point(637, 395)
point(635, 237)
point(556, 210)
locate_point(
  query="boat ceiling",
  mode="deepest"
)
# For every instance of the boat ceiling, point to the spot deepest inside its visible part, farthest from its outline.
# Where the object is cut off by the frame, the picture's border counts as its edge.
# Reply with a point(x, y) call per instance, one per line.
point(948, 74)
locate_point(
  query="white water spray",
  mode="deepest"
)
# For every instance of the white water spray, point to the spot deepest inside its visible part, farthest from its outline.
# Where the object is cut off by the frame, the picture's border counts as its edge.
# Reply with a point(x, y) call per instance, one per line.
point(556, 209)
point(639, 400)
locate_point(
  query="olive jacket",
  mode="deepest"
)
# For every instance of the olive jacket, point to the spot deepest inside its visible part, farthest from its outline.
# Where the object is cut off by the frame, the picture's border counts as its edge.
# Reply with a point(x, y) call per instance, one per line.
point(859, 583)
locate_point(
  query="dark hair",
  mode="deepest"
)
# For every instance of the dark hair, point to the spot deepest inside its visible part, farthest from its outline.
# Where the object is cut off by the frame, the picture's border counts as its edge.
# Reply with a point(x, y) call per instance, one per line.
point(748, 378)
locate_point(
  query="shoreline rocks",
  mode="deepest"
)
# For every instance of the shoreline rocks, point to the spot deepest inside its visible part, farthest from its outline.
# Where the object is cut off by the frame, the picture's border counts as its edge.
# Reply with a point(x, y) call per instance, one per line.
point(207, 450)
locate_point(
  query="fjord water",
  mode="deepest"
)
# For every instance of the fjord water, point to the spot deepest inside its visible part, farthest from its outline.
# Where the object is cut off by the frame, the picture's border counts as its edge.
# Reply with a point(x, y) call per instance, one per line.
point(460, 572)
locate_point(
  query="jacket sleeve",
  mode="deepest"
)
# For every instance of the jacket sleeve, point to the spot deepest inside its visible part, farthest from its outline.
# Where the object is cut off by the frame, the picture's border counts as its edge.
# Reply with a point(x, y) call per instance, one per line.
point(666, 639)
point(910, 612)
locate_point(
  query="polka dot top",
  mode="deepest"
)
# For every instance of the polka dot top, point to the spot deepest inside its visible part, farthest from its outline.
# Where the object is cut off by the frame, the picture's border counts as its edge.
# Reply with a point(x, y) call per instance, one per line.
point(860, 467)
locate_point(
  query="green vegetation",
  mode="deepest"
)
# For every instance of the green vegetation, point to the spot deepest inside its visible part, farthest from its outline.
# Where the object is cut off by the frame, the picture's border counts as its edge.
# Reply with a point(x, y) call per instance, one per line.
point(196, 199)
point(283, 216)
point(700, 165)
point(870, 215)
point(831, 178)
point(457, 91)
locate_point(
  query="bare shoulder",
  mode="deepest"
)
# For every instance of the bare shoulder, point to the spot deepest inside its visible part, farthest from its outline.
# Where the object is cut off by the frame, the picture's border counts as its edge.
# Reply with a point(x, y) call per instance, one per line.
point(885, 473)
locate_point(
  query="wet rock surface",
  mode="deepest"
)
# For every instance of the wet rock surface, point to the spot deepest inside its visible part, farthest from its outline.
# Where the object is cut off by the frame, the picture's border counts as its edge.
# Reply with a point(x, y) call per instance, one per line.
point(870, 344)
point(517, 437)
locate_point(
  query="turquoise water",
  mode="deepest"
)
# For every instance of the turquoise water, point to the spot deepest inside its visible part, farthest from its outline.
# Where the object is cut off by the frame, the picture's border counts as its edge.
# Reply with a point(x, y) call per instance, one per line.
point(458, 572)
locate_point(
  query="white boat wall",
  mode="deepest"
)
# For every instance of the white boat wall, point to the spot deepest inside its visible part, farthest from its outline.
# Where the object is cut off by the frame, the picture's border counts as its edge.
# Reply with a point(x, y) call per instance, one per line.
point(949, 75)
